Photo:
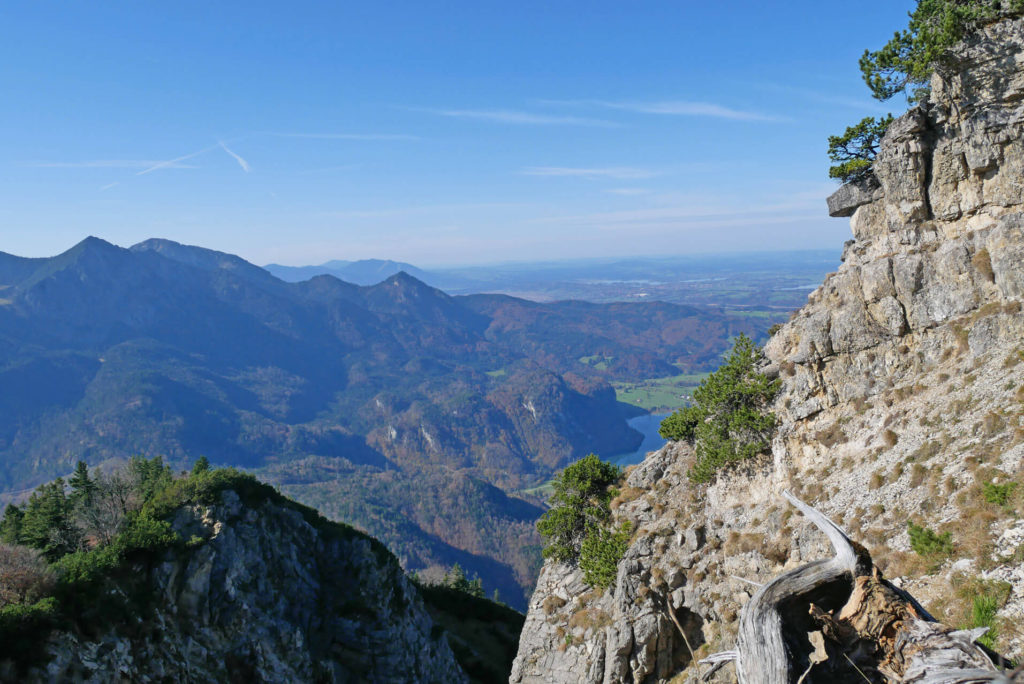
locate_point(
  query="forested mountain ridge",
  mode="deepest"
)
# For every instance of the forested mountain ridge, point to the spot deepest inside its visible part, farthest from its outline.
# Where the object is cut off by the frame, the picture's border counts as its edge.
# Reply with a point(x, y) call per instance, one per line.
point(370, 401)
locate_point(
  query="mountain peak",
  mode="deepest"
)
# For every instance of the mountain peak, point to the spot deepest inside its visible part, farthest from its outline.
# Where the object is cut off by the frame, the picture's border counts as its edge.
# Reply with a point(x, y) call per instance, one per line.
point(156, 245)
point(90, 247)
point(207, 259)
point(404, 277)
point(405, 285)
point(93, 243)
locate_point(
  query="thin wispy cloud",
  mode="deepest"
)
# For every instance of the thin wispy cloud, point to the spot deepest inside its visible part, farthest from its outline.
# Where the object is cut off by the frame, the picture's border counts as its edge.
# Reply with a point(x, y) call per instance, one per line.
point(673, 108)
point(397, 212)
point(349, 136)
point(617, 172)
point(109, 185)
point(628, 192)
point(143, 167)
point(171, 162)
point(709, 213)
point(520, 118)
point(654, 223)
point(241, 162)
point(858, 103)
point(110, 164)
point(681, 108)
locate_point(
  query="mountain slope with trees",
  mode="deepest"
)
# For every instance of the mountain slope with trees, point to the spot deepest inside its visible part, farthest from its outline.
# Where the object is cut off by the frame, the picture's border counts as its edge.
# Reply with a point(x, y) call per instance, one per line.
point(371, 401)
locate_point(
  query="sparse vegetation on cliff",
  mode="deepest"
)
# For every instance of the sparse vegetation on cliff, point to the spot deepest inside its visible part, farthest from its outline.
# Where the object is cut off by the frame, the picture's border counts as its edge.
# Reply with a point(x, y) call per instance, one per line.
point(854, 151)
point(600, 553)
point(729, 419)
point(483, 633)
point(901, 402)
point(907, 61)
point(578, 528)
point(929, 543)
point(904, 65)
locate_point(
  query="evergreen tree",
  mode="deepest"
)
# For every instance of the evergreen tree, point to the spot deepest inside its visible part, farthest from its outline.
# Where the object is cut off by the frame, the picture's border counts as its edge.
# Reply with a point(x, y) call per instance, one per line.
point(82, 486)
point(149, 475)
point(854, 151)
point(202, 465)
point(905, 63)
point(728, 420)
point(10, 526)
point(581, 499)
point(456, 578)
point(47, 525)
point(600, 553)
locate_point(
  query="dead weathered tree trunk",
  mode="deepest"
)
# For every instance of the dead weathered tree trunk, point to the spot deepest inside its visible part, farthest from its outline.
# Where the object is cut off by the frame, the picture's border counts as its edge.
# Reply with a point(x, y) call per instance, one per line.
point(838, 620)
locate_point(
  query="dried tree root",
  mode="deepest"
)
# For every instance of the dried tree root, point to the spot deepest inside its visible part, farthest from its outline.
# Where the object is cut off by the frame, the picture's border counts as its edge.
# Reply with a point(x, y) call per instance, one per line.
point(874, 632)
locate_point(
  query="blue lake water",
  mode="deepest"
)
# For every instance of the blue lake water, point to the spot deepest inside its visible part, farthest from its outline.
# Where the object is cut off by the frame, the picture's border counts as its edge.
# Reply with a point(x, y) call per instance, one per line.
point(647, 425)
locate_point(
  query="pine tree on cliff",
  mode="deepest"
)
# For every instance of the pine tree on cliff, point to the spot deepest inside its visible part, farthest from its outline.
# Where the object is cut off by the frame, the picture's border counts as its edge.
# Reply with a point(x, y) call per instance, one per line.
point(904, 65)
point(580, 501)
point(729, 418)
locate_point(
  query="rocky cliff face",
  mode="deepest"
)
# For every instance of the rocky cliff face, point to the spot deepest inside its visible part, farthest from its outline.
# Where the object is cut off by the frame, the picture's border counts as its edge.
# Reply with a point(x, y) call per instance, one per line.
point(261, 595)
point(902, 396)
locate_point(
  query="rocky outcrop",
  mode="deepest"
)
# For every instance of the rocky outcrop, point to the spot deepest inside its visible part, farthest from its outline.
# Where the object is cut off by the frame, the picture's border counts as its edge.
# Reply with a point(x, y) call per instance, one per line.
point(847, 199)
point(901, 399)
point(261, 595)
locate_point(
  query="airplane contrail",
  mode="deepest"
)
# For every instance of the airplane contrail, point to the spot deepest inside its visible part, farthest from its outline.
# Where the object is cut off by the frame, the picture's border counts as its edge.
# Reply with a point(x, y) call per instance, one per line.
point(171, 162)
point(241, 162)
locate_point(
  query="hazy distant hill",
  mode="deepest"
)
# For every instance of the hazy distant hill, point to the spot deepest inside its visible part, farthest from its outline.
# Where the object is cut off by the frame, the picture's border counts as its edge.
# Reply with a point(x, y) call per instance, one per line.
point(393, 406)
point(363, 272)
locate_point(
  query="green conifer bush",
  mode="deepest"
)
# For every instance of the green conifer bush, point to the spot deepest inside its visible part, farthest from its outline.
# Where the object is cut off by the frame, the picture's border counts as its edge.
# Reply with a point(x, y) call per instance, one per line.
point(904, 65)
point(729, 418)
point(907, 61)
point(581, 500)
point(577, 528)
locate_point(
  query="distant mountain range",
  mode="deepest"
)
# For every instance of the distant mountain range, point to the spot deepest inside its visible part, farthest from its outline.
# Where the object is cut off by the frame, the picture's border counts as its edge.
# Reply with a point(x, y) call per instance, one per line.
point(364, 272)
point(751, 282)
point(395, 407)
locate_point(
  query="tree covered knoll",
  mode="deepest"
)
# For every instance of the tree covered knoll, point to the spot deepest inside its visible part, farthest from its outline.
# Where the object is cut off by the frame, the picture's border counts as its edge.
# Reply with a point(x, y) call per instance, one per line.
point(77, 556)
point(70, 557)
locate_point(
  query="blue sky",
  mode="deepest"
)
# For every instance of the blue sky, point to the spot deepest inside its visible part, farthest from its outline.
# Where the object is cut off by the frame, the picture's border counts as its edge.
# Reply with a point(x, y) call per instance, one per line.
point(432, 132)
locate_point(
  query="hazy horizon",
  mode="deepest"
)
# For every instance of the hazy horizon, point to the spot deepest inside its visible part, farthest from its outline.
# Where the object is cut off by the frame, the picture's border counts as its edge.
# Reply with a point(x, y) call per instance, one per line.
point(540, 261)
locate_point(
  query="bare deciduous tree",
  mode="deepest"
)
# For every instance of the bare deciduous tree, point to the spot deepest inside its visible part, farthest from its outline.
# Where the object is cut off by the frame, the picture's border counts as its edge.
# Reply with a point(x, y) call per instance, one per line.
point(24, 575)
point(102, 515)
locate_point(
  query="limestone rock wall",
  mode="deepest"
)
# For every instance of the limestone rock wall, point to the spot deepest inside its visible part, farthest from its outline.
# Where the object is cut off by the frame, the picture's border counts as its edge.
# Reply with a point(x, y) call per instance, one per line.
point(903, 389)
point(265, 597)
